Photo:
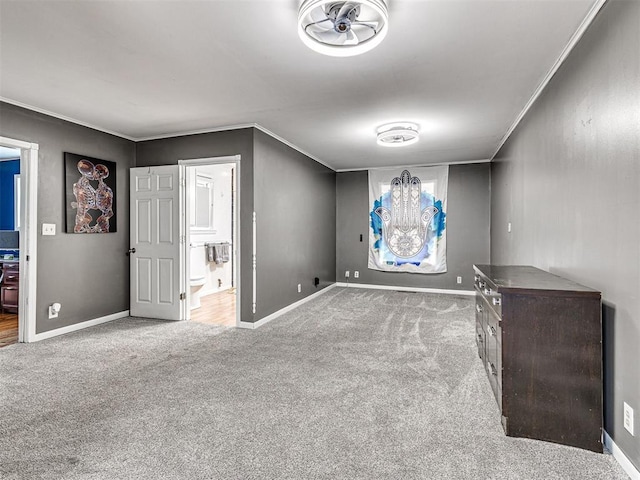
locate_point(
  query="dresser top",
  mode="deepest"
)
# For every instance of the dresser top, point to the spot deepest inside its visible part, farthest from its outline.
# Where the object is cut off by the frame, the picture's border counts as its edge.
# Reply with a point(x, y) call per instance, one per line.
point(523, 278)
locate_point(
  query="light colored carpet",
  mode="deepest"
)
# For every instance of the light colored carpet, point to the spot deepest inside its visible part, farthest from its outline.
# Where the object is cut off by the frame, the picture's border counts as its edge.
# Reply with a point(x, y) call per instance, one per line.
point(355, 384)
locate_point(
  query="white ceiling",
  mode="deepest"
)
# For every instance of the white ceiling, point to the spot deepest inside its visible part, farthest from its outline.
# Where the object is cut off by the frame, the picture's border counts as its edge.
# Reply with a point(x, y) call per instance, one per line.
point(462, 69)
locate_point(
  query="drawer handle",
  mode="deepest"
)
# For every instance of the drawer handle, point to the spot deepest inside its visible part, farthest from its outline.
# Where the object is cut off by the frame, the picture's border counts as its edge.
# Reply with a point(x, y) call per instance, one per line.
point(497, 301)
point(478, 308)
point(11, 277)
point(492, 331)
point(494, 372)
point(9, 288)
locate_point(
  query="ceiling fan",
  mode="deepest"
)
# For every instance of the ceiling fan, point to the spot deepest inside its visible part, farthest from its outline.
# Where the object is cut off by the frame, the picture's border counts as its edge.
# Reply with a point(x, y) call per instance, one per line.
point(342, 28)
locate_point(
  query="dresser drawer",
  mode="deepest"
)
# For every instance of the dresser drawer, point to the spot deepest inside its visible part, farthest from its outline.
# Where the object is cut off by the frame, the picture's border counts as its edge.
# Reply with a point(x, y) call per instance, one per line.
point(490, 293)
point(493, 366)
point(10, 274)
point(9, 297)
point(11, 278)
point(480, 333)
point(494, 330)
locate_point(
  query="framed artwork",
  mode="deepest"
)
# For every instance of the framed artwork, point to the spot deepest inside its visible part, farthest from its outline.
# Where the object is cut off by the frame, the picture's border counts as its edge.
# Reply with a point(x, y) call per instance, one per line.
point(90, 192)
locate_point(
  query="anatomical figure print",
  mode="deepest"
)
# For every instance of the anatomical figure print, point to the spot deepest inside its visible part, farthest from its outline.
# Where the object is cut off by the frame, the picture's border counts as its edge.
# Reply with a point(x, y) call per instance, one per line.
point(93, 198)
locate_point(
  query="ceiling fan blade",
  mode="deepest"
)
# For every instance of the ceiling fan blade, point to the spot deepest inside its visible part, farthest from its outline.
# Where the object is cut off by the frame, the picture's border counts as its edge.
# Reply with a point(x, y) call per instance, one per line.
point(322, 25)
point(330, 37)
point(372, 25)
point(363, 32)
point(346, 8)
point(351, 38)
point(317, 15)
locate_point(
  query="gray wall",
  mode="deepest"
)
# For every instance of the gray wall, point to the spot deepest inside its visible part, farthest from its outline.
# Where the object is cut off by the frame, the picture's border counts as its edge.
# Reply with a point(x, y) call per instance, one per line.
point(88, 274)
point(467, 230)
point(295, 204)
point(168, 151)
point(569, 181)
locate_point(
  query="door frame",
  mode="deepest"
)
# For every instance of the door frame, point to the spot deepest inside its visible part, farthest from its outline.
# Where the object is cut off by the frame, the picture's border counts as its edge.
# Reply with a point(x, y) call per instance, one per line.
point(194, 162)
point(28, 236)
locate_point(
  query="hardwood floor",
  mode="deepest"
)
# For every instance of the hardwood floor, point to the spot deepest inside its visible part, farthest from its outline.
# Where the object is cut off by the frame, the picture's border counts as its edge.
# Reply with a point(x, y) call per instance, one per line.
point(9, 328)
point(217, 309)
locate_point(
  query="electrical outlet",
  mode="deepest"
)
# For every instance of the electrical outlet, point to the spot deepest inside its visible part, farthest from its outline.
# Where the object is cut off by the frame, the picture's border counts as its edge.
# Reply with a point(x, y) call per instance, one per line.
point(299, 288)
point(356, 274)
point(54, 309)
point(509, 227)
point(346, 274)
point(628, 418)
point(459, 279)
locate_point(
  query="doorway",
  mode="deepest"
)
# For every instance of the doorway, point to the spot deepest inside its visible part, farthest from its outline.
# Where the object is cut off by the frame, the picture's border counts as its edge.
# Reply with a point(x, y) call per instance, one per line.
point(18, 225)
point(210, 216)
point(9, 244)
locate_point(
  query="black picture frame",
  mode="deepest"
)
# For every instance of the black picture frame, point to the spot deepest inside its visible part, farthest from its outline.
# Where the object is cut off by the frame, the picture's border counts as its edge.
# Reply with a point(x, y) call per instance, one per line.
point(90, 194)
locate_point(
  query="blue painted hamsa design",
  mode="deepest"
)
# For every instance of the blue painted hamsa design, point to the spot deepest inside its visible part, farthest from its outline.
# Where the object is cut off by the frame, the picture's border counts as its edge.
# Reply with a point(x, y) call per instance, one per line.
point(405, 225)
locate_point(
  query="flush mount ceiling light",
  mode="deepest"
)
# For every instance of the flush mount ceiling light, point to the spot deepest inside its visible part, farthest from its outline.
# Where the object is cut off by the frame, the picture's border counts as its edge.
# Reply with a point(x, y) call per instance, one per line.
point(342, 29)
point(398, 134)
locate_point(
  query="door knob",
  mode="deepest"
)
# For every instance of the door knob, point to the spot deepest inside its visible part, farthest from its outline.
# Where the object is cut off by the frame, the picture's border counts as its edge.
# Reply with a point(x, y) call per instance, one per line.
point(131, 250)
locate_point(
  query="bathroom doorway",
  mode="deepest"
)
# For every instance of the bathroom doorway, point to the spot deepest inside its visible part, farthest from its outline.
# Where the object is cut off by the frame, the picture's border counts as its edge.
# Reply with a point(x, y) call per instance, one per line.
point(211, 248)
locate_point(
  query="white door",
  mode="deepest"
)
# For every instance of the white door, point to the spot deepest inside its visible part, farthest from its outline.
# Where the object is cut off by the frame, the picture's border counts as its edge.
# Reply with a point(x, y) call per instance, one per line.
point(156, 253)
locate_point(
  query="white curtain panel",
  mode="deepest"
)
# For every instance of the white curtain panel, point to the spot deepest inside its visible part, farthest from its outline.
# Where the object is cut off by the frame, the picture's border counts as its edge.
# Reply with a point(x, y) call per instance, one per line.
point(407, 219)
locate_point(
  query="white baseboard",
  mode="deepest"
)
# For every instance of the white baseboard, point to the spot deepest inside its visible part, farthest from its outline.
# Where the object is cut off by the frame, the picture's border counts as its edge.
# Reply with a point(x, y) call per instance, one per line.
point(407, 289)
point(284, 310)
point(79, 326)
point(621, 458)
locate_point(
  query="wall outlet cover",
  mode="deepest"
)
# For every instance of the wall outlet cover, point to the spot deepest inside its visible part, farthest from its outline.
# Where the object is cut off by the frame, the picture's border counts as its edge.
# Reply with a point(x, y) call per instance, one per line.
point(346, 274)
point(459, 279)
point(628, 418)
point(356, 274)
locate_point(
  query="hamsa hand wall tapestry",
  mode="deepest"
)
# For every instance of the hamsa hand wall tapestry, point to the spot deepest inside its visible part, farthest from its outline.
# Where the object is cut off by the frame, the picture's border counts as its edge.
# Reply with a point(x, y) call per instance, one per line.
point(408, 219)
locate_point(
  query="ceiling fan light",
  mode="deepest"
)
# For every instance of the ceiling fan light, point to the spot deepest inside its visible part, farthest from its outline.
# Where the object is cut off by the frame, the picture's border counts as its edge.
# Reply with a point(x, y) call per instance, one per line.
point(320, 31)
point(398, 134)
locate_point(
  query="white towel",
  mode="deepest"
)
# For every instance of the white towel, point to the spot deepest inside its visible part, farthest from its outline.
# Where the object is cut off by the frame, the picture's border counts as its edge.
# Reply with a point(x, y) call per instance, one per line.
point(222, 252)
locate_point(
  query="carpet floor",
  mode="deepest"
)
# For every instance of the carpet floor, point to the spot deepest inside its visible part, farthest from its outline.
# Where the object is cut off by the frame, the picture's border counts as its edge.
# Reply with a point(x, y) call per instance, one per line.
point(355, 384)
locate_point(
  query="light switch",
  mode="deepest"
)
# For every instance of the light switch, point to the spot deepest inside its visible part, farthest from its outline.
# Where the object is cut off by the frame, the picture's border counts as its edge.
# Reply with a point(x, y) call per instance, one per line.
point(48, 229)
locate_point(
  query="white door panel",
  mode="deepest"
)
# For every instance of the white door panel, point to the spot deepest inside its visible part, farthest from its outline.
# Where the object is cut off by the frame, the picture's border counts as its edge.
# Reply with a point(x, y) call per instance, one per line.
point(156, 252)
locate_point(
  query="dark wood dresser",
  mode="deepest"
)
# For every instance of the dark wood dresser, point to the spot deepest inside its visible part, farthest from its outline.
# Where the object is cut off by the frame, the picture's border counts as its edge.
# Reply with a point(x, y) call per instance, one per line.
point(9, 286)
point(540, 339)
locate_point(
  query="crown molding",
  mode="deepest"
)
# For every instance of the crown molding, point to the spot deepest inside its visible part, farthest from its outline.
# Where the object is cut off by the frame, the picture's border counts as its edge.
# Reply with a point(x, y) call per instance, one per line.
point(438, 164)
point(65, 118)
point(166, 135)
point(185, 133)
point(289, 144)
point(241, 126)
point(573, 41)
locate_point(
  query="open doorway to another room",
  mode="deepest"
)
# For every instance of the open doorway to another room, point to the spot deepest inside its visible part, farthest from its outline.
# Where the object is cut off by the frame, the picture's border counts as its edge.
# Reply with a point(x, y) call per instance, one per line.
point(211, 205)
point(9, 244)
